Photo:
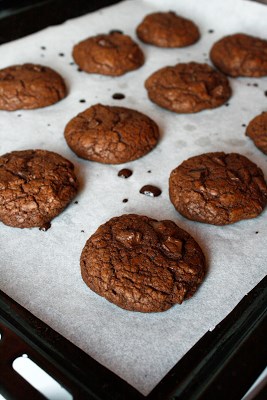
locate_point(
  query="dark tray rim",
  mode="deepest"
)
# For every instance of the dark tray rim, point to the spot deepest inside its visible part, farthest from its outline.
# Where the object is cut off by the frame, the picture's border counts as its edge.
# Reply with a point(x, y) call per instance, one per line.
point(222, 364)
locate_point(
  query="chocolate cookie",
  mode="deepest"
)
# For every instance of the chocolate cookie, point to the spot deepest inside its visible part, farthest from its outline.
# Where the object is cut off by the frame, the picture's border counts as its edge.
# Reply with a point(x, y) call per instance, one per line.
point(240, 55)
point(30, 86)
point(35, 186)
point(188, 88)
point(141, 264)
point(111, 135)
point(257, 131)
point(111, 54)
point(167, 29)
point(218, 188)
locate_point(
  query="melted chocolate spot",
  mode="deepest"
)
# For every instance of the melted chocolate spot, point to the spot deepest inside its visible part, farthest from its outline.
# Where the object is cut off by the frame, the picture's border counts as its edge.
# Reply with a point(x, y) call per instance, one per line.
point(129, 238)
point(149, 190)
point(76, 202)
point(125, 200)
point(125, 173)
point(227, 104)
point(118, 96)
point(256, 232)
point(79, 69)
point(265, 93)
point(255, 84)
point(45, 227)
point(61, 54)
point(244, 125)
point(211, 30)
point(82, 101)
point(116, 31)
point(82, 230)
point(43, 47)
point(149, 171)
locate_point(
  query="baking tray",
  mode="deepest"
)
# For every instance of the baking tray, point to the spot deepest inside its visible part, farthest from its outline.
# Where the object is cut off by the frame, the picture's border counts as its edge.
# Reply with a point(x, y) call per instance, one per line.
point(222, 364)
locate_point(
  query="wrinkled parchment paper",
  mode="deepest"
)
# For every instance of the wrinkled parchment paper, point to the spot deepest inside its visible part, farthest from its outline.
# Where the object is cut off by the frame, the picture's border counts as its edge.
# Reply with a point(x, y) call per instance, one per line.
point(40, 270)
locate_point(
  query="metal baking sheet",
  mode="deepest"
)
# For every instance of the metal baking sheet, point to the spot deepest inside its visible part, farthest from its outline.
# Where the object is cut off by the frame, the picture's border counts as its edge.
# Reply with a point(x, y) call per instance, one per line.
point(176, 373)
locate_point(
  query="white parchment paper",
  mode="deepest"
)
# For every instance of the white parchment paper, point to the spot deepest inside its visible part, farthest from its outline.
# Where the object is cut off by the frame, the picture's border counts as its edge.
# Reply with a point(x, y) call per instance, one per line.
point(41, 270)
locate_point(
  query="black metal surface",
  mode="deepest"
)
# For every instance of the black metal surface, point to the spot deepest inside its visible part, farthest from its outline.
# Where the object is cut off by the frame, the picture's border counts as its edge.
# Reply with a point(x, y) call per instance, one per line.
point(15, 387)
point(31, 16)
point(222, 365)
point(262, 394)
point(61, 358)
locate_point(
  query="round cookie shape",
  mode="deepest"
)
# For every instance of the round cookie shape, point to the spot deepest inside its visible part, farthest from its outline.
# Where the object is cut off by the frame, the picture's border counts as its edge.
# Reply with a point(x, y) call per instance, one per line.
point(35, 186)
point(240, 55)
point(218, 188)
point(108, 54)
point(188, 88)
point(111, 135)
point(257, 131)
point(167, 29)
point(30, 86)
point(141, 264)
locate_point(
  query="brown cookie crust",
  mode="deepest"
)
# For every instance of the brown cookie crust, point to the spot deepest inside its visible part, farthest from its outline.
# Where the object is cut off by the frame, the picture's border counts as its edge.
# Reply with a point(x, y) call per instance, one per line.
point(141, 264)
point(30, 86)
point(240, 55)
point(35, 186)
point(111, 135)
point(188, 88)
point(167, 29)
point(218, 188)
point(108, 54)
point(257, 131)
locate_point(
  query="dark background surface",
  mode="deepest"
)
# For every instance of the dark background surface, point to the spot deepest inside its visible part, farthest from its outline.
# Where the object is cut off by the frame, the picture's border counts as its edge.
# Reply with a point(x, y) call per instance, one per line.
point(23, 17)
point(222, 365)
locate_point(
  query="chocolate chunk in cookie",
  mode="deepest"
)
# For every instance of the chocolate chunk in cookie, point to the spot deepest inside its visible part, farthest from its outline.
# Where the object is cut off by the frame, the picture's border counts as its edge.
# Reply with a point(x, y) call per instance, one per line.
point(30, 86)
point(141, 264)
point(257, 131)
point(111, 54)
point(188, 88)
point(167, 29)
point(35, 186)
point(240, 55)
point(111, 135)
point(218, 188)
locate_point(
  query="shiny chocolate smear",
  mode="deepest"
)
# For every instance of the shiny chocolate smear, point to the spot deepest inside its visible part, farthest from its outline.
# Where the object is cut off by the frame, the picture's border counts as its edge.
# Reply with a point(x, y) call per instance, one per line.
point(118, 96)
point(125, 173)
point(115, 31)
point(149, 190)
point(45, 227)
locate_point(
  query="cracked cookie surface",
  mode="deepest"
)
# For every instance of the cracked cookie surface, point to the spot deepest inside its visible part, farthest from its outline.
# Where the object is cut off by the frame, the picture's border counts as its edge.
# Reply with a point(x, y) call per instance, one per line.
point(108, 54)
point(257, 131)
point(240, 55)
point(167, 29)
point(188, 88)
point(218, 188)
point(30, 86)
point(35, 186)
point(141, 264)
point(111, 135)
